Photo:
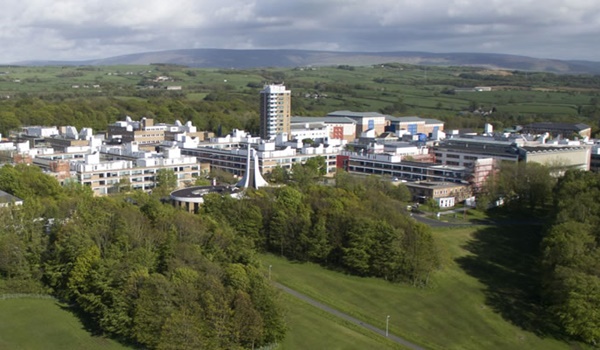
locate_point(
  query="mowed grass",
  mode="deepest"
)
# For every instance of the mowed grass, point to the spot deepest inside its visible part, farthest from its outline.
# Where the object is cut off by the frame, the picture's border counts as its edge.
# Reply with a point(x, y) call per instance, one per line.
point(458, 310)
point(312, 328)
point(31, 324)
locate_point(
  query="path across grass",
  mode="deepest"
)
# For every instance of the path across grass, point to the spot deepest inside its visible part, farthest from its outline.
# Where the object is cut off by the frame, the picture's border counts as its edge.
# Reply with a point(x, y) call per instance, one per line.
point(348, 318)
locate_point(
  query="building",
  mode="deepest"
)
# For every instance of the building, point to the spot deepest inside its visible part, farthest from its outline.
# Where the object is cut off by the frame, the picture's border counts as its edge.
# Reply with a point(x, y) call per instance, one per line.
point(465, 151)
point(339, 128)
point(192, 197)
point(563, 130)
point(275, 111)
point(7, 199)
point(413, 125)
point(230, 153)
point(395, 166)
point(142, 132)
point(446, 194)
point(106, 169)
point(364, 120)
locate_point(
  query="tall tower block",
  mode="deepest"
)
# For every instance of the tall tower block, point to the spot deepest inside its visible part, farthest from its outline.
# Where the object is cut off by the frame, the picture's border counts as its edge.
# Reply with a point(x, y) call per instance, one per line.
point(275, 111)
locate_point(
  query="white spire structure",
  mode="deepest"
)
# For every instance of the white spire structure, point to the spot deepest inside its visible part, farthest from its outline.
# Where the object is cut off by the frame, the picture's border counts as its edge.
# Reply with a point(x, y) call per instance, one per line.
point(253, 178)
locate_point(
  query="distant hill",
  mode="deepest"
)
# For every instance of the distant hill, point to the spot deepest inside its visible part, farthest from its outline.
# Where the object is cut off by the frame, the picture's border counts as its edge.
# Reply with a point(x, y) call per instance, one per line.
point(241, 59)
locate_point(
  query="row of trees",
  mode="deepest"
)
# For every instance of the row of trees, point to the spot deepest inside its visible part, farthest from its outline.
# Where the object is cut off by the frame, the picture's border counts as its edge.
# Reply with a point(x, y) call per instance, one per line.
point(136, 268)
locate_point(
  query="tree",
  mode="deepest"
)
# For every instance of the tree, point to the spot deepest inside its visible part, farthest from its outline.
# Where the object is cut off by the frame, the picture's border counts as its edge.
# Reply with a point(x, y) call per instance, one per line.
point(166, 181)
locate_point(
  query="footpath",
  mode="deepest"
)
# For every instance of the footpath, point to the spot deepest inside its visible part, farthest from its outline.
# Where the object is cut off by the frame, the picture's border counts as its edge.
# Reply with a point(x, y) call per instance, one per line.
point(347, 317)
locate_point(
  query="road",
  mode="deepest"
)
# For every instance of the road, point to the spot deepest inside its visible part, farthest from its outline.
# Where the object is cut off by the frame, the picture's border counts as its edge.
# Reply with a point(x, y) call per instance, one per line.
point(348, 318)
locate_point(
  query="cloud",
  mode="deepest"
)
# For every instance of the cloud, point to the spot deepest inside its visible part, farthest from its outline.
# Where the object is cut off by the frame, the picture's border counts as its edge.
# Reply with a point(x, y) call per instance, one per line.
point(86, 29)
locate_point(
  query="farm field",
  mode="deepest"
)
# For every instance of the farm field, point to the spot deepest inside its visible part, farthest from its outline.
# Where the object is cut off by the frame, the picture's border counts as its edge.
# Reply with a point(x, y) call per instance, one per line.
point(478, 301)
point(391, 89)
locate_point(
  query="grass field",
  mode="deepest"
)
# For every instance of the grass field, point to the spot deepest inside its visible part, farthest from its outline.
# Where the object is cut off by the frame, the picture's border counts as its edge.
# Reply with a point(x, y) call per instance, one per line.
point(311, 328)
point(31, 324)
point(480, 300)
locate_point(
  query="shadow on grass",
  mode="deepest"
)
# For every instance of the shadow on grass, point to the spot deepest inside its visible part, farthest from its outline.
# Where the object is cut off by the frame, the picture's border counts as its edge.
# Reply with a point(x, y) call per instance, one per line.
point(92, 327)
point(505, 260)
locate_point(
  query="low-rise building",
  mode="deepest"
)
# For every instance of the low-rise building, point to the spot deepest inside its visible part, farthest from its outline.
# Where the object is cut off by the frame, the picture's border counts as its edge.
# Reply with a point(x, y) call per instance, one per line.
point(563, 130)
point(446, 194)
point(7, 199)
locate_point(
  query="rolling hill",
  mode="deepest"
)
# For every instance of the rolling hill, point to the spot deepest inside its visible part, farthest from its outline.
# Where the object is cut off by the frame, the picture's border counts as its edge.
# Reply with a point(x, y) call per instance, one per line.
point(241, 59)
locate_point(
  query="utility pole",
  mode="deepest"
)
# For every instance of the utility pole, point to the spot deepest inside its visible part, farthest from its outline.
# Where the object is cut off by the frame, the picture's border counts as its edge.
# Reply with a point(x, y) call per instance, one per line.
point(387, 325)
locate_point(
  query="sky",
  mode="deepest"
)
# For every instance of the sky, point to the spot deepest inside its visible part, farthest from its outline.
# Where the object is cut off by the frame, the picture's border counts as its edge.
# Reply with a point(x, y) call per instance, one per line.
point(93, 29)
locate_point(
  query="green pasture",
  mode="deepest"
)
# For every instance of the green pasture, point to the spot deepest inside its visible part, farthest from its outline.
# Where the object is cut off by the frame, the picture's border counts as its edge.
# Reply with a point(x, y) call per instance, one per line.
point(481, 299)
point(44, 324)
point(367, 88)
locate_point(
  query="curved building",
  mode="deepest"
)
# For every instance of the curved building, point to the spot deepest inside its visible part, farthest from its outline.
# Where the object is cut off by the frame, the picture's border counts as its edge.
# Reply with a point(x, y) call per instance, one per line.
point(190, 198)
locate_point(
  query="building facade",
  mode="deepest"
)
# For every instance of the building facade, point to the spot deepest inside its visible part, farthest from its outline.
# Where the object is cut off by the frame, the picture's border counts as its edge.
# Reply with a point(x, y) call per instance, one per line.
point(275, 111)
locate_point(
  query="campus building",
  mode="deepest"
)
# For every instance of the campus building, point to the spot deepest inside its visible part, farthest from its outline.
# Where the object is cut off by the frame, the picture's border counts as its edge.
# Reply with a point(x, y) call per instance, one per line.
point(230, 153)
point(364, 120)
point(445, 194)
point(339, 128)
point(107, 168)
point(275, 111)
point(465, 151)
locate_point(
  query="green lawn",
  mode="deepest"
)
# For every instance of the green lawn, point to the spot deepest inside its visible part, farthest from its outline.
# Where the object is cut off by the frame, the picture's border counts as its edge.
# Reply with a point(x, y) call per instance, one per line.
point(31, 324)
point(312, 328)
point(478, 309)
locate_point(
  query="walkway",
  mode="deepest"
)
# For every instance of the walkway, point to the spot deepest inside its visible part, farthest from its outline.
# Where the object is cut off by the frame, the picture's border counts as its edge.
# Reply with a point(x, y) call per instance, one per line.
point(347, 317)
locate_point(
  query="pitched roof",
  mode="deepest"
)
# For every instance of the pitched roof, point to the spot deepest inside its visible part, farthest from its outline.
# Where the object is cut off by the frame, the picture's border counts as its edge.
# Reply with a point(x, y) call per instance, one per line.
point(6, 197)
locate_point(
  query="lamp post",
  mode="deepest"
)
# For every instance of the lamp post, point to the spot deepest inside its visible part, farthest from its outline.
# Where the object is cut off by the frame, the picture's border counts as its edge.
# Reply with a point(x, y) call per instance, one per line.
point(387, 324)
point(270, 266)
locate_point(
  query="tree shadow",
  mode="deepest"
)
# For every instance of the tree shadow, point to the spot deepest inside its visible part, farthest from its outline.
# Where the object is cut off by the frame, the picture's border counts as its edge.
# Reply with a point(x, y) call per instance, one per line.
point(505, 259)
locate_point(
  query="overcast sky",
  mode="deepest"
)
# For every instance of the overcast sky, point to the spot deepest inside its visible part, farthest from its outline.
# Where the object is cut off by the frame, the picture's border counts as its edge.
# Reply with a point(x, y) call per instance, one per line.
point(89, 29)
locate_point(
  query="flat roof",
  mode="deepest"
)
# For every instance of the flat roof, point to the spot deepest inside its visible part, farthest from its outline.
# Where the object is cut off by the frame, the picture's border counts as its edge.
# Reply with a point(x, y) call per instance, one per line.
point(201, 191)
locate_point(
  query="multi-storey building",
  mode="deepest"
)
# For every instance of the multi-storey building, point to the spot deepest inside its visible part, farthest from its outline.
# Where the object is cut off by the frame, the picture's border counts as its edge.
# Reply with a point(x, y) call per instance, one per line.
point(364, 120)
point(105, 169)
point(413, 125)
point(394, 166)
point(275, 111)
point(230, 153)
point(465, 151)
point(339, 128)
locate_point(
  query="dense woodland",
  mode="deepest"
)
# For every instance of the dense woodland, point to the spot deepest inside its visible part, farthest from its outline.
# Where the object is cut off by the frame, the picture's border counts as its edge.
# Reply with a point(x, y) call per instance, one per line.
point(149, 274)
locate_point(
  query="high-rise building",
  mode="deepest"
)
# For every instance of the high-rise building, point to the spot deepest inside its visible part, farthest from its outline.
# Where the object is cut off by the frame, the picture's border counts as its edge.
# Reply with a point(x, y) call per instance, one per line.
point(275, 110)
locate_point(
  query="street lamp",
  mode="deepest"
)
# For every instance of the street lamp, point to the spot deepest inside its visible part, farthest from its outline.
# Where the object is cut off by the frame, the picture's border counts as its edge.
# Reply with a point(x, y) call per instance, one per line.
point(270, 266)
point(387, 324)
